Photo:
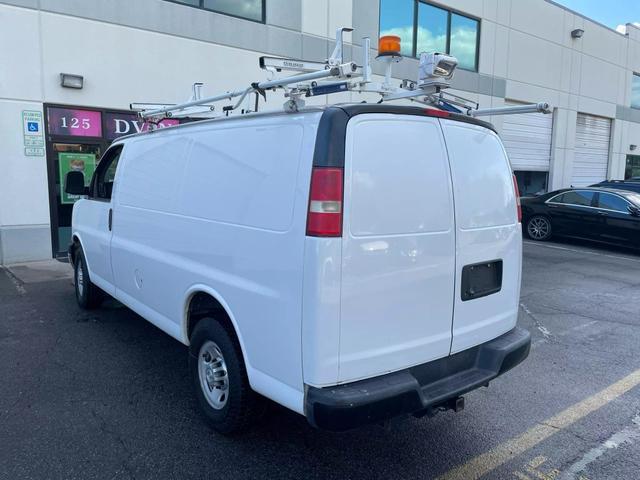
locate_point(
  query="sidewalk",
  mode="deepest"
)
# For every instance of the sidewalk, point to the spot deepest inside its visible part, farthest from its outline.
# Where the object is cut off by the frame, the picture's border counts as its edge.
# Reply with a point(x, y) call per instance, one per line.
point(44, 271)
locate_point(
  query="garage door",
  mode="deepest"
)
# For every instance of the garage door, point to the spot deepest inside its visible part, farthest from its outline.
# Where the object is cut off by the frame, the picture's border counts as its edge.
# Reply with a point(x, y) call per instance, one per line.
point(527, 139)
point(591, 150)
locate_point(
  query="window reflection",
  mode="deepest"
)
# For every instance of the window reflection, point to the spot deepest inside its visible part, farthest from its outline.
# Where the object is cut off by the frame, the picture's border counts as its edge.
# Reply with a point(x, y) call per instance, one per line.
point(251, 9)
point(464, 40)
point(432, 29)
point(635, 91)
point(435, 29)
point(396, 18)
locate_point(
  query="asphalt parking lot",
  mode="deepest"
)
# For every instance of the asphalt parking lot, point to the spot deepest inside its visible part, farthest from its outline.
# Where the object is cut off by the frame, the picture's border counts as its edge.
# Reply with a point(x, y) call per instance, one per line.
point(105, 394)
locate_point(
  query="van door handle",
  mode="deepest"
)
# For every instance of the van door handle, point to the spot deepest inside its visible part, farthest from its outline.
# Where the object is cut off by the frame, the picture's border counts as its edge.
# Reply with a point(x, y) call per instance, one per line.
point(110, 218)
point(604, 214)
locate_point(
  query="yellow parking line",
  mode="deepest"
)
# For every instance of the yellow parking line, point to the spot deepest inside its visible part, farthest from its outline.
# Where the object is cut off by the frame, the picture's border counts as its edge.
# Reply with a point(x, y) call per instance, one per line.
point(488, 461)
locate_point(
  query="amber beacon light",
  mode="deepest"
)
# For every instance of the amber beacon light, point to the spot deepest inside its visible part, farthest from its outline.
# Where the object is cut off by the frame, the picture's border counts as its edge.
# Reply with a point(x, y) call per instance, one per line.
point(389, 45)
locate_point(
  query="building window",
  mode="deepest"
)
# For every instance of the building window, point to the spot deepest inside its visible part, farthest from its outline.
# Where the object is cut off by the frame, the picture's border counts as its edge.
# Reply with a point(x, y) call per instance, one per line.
point(423, 27)
point(463, 42)
point(248, 9)
point(432, 29)
point(396, 18)
point(635, 91)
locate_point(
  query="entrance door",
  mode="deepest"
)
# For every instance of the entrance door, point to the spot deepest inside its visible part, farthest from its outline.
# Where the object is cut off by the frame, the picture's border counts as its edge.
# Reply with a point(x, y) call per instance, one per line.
point(83, 157)
point(632, 168)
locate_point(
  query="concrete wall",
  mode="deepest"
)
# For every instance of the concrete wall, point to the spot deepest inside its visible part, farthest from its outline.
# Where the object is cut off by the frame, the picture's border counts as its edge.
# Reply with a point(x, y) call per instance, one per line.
point(152, 51)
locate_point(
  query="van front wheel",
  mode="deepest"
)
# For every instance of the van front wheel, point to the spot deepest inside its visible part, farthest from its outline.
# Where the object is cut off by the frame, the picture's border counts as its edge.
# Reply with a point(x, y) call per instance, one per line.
point(88, 295)
point(220, 379)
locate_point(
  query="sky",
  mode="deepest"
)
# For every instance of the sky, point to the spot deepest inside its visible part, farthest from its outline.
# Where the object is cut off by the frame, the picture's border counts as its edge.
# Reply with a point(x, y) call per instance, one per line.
point(609, 12)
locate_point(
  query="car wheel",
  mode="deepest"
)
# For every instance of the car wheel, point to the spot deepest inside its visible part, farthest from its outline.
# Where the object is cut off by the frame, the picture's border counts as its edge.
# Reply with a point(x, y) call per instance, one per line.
point(88, 295)
point(539, 228)
point(220, 379)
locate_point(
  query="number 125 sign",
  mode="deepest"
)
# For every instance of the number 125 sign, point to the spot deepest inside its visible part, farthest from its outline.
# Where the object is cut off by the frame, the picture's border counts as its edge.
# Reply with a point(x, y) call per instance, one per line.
point(74, 122)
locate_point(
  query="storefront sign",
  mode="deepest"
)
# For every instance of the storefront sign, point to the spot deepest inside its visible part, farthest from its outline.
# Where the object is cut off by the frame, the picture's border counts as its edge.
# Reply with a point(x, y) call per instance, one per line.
point(77, 162)
point(74, 122)
point(33, 133)
point(119, 124)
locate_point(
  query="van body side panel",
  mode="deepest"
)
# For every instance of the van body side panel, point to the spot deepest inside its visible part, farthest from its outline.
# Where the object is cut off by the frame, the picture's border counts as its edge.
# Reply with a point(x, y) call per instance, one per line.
point(321, 310)
point(230, 215)
point(398, 246)
point(487, 232)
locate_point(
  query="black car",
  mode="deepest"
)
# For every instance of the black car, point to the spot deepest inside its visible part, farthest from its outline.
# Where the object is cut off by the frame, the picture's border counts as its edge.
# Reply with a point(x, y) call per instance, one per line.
point(601, 214)
point(632, 184)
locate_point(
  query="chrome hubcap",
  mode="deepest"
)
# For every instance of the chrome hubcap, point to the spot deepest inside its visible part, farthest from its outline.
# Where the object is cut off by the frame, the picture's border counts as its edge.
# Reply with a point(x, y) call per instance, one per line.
point(79, 278)
point(538, 228)
point(212, 371)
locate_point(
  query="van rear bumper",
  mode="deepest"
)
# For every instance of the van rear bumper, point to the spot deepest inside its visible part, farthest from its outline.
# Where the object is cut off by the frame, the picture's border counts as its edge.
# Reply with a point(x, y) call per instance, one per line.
point(422, 389)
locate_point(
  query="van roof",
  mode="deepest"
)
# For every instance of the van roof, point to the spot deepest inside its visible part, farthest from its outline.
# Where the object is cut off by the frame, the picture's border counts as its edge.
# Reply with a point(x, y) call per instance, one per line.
point(332, 130)
point(335, 117)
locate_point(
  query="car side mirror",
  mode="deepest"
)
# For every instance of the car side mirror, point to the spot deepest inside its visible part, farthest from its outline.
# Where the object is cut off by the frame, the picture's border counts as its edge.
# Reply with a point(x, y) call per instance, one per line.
point(633, 210)
point(74, 184)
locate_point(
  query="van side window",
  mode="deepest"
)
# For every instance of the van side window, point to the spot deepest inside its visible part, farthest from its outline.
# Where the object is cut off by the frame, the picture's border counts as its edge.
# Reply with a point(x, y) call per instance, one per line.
point(102, 185)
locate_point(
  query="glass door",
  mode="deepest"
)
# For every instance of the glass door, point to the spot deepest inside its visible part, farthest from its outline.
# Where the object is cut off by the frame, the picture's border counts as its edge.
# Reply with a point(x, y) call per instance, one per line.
point(632, 169)
point(82, 157)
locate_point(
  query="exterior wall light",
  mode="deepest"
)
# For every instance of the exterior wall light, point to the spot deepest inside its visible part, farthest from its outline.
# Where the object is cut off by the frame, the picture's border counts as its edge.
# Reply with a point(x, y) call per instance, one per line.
point(632, 147)
point(577, 33)
point(69, 80)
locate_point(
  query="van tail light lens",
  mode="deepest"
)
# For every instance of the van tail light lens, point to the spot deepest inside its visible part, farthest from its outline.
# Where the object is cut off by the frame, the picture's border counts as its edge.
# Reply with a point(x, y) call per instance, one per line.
point(517, 192)
point(324, 217)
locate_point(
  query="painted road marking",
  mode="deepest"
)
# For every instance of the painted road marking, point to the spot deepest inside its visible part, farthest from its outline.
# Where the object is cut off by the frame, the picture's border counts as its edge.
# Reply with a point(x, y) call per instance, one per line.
point(16, 283)
point(626, 435)
point(575, 250)
point(534, 470)
point(488, 461)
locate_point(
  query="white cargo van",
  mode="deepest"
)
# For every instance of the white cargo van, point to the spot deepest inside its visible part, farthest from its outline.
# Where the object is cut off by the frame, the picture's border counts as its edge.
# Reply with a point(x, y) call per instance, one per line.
point(352, 263)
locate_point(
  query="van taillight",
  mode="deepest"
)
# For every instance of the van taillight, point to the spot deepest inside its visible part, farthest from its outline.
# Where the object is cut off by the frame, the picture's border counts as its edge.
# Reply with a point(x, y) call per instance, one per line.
point(517, 192)
point(434, 112)
point(324, 217)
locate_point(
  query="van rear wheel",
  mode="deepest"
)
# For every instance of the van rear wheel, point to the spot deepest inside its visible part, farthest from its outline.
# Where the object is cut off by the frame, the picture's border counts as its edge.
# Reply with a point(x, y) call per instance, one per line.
point(220, 379)
point(88, 295)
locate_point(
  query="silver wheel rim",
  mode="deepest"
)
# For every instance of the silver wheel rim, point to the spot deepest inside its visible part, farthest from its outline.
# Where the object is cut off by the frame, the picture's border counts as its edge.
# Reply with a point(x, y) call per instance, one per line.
point(79, 278)
point(538, 228)
point(212, 371)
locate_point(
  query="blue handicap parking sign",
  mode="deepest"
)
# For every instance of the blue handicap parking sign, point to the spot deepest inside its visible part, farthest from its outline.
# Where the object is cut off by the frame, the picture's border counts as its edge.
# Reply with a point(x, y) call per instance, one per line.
point(32, 126)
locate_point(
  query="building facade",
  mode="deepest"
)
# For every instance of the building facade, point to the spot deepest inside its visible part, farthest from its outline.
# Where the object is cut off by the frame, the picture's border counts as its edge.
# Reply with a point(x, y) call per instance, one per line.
point(71, 68)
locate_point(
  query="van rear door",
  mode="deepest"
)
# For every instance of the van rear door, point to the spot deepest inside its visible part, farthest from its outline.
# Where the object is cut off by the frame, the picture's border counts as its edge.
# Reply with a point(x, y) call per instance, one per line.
point(488, 236)
point(398, 257)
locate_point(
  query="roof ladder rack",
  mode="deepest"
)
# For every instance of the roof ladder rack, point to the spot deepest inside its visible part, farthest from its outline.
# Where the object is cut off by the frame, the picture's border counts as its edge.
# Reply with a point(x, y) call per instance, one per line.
point(435, 73)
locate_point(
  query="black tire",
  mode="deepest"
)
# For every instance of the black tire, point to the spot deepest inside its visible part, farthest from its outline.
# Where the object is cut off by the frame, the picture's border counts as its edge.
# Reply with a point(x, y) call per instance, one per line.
point(88, 295)
point(538, 228)
point(242, 406)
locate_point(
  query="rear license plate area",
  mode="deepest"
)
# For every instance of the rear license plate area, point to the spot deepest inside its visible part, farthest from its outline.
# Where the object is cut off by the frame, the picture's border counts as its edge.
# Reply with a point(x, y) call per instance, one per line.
point(481, 279)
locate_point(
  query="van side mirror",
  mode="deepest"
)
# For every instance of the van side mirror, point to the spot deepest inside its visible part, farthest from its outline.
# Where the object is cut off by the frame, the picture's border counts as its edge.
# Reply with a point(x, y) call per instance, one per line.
point(74, 184)
point(633, 210)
